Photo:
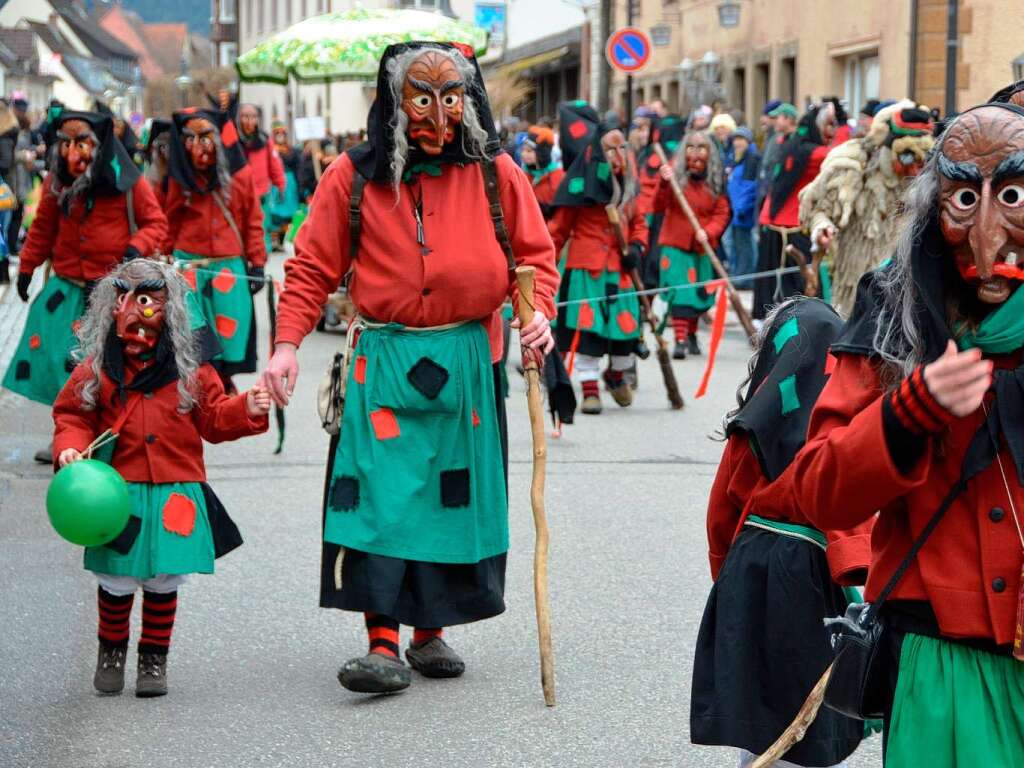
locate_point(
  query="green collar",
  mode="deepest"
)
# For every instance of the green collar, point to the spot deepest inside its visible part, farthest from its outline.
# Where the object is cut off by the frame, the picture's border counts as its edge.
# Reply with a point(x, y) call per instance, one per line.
point(428, 167)
point(540, 173)
point(1002, 331)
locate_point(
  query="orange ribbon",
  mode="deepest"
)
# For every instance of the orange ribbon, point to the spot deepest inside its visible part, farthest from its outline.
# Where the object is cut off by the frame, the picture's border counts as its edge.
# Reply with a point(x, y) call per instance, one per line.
point(717, 329)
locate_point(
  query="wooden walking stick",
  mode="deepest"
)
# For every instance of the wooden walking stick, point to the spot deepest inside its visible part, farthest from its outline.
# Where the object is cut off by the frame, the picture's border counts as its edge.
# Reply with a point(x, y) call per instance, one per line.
point(734, 297)
point(809, 271)
point(524, 280)
point(798, 728)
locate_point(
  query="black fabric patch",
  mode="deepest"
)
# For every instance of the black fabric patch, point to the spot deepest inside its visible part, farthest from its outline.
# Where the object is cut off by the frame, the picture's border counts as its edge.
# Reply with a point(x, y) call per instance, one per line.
point(208, 289)
point(226, 536)
point(455, 488)
point(126, 538)
point(55, 300)
point(428, 377)
point(22, 370)
point(345, 493)
point(69, 365)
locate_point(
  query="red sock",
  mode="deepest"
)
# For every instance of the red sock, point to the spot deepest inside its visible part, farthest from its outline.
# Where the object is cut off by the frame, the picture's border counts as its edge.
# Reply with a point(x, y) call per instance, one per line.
point(420, 635)
point(115, 612)
point(590, 388)
point(614, 378)
point(693, 321)
point(681, 328)
point(157, 621)
point(383, 632)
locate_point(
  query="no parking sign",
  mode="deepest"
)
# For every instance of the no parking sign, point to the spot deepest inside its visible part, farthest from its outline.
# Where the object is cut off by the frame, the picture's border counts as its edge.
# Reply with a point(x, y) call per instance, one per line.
point(628, 50)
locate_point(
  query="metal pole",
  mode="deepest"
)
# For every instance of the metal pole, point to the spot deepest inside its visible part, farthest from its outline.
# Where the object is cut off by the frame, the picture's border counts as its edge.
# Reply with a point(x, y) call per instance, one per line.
point(951, 50)
point(912, 69)
point(629, 78)
point(604, 82)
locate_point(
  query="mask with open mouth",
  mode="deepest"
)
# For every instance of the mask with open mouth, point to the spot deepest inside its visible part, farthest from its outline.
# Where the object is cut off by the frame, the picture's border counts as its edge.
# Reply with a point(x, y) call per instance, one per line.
point(201, 143)
point(77, 146)
point(139, 315)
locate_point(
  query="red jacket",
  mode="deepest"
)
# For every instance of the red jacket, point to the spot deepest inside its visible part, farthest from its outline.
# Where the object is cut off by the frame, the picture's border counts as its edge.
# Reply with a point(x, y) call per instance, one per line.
point(464, 274)
point(712, 212)
point(86, 245)
point(544, 189)
point(267, 168)
point(741, 489)
point(156, 444)
point(789, 213)
point(196, 224)
point(845, 474)
point(160, 193)
point(593, 244)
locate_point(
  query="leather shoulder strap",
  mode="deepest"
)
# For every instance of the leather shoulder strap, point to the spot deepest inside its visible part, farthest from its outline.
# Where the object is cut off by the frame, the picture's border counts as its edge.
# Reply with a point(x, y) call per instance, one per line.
point(230, 219)
point(133, 227)
point(489, 168)
point(355, 219)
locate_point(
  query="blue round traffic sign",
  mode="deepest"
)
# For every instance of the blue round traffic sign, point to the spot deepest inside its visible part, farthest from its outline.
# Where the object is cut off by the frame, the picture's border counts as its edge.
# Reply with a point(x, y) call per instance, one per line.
point(628, 49)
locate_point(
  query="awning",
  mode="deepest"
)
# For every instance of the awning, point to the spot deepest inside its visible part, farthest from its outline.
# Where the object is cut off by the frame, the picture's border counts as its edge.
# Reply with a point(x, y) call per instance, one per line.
point(532, 61)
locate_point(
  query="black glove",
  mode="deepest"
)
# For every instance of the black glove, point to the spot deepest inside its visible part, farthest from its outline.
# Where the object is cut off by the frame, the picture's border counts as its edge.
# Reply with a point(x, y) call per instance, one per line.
point(5, 271)
point(631, 258)
point(256, 283)
point(131, 253)
point(24, 281)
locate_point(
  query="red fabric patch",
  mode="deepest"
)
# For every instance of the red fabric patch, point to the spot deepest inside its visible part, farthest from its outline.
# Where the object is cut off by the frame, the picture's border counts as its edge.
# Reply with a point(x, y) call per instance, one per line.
point(666, 262)
point(654, 161)
point(625, 281)
point(476, 418)
point(626, 321)
point(691, 275)
point(190, 278)
point(385, 425)
point(228, 134)
point(224, 281)
point(789, 163)
point(578, 129)
point(586, 318)
point(359, 374)
point(34, 342)
point(465, 50)
point(75, 326)
point(226, 326)
point(179, 515)
point(830, 363)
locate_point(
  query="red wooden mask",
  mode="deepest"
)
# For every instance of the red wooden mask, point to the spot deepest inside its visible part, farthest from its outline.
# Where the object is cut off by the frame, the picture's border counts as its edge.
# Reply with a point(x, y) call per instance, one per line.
point(432, 97)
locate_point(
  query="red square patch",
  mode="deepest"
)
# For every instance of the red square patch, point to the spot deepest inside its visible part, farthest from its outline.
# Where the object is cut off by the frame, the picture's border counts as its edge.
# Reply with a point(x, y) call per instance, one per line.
point(666, 262)
point(691, 275)
point(586, 317)
point(626, 321)
point(476, 418)
point(190, 278)
point(578, 129)
point(34, 342)
point(179, 515)
point(226, 326)
point(224, 281)
point(359, 374)
point(385, 425)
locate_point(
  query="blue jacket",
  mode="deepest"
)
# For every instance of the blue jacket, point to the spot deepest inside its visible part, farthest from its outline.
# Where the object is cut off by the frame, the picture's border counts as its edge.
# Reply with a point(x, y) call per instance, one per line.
point(742, 189)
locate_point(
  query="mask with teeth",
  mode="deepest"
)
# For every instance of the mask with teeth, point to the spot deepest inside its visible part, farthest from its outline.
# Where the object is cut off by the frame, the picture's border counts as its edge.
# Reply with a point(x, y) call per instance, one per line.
point(139, 315)
point(981, 169)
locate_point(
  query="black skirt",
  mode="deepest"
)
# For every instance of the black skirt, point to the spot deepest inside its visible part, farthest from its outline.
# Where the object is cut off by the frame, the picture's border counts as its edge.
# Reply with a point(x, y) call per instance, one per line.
point(412, 592)
point(762, 647)
point(772, 290)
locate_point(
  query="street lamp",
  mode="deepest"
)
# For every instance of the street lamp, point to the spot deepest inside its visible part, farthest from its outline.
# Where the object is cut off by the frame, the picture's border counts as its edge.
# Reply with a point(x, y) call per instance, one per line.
point(729, 14)
point(709, 67)
point(1018, 68)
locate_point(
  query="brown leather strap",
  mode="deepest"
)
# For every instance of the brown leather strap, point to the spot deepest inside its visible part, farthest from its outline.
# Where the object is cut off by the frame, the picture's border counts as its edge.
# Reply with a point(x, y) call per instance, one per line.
point(132, 226)
point(490, 171)
point(355, 220)
point(230, 219)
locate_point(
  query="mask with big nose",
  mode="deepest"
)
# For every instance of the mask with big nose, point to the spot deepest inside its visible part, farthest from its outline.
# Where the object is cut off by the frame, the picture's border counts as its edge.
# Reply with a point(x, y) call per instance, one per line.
point(981, 169)
point(77, 146)
point(696, 153)
point(432, 98)
point(139, 315)
point(201, 143)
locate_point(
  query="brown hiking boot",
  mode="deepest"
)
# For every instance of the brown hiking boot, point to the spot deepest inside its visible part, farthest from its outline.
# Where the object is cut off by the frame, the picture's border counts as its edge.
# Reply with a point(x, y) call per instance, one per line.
point(591, 404)
point(375, 673)
point(623, 394)
point(435, 658)
point(152, 677)
point(109, 677)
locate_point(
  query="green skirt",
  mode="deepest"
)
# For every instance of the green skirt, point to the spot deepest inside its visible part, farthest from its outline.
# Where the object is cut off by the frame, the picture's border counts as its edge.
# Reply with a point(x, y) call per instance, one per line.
point(225, 301)
point(42, 362)
point(956, 707)
point(418, 470)
point(172, 534)
point(602, 303)
point(678, 267)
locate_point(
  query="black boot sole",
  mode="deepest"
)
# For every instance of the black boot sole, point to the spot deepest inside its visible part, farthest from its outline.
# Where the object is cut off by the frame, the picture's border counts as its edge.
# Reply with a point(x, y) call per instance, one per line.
point(358, 677)
point(441, 670)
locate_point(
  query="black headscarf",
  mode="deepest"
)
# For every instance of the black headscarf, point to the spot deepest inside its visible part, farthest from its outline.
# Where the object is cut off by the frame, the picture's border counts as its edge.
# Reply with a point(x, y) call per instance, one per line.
point(372, 158)
point(180, 167)
point(129, 140)
point(588, 181)
point(577, 122)
point(113, 171)
point(667, 131)
point(793, 158)
point(791, 370)
point(158, 127)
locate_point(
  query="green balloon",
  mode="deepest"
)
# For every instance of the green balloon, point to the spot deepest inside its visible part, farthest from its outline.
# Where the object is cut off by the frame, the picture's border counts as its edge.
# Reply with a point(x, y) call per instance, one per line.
point(88, 503)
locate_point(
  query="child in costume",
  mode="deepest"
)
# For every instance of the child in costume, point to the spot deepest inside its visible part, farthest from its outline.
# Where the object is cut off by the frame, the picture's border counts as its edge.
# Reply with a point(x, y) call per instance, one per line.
point(762, 644)
point(545, 172)
point(145, 377)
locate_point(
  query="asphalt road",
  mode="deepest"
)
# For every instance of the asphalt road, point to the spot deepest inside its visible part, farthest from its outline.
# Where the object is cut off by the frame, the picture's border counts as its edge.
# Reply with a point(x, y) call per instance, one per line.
point(253, 663)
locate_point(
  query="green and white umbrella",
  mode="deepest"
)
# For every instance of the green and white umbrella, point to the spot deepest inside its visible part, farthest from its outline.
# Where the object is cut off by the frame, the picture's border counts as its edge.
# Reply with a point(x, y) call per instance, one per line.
point(348, 45)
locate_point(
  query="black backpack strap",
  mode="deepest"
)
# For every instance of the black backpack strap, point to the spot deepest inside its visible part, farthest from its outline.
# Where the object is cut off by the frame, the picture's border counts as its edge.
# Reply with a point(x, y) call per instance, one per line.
point(490, 171)
point(355, 219)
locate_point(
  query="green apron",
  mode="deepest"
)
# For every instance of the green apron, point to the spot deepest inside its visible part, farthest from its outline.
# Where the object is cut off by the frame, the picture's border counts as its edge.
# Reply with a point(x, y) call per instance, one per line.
point(418, 469)
point(614, 319)
point(283, 206)
point(266, 204)
point(222, 289)
point(678, 267)
point(174, 534)
point(956, 707)
point(42, 362)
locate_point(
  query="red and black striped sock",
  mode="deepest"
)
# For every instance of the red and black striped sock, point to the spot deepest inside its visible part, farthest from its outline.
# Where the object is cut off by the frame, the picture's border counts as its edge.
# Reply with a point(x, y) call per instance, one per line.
point(421, 635)
point(157, 621)
point(383, 632)
point(694, 324)
point(615, 378)
point(115, 612)
point(681, 329)
point(590, 388)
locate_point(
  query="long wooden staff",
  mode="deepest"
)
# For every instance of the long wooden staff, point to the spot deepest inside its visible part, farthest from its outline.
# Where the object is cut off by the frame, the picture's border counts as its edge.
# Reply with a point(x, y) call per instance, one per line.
point(798, 728)
point(809, 272)
point(524, 280)
point(734, 297)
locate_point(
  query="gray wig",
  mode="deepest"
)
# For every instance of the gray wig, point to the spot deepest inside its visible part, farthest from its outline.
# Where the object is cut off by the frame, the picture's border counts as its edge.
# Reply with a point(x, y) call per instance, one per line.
point(67, 193)
point(99, 319)
point(715, 175)
point(474, 137)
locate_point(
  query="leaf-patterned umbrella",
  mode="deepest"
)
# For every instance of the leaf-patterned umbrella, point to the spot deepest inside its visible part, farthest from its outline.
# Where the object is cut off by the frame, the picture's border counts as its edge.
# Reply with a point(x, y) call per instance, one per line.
point(348, 45)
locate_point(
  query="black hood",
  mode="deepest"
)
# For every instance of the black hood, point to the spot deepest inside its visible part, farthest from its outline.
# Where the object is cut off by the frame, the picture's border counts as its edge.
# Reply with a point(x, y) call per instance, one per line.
point(588, 181)
point(792, 161)
point(179, 166)
point(577, 121)
point(113, 171)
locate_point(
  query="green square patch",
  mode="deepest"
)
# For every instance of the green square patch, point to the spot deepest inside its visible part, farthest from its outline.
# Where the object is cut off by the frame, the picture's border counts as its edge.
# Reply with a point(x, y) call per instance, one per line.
point(787, 391)
point(603, 171)
point(576, 185)
point(786, 331)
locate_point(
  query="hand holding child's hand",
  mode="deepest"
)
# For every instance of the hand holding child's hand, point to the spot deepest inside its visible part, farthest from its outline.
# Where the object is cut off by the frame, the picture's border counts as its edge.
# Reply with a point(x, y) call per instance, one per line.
point(257, 401)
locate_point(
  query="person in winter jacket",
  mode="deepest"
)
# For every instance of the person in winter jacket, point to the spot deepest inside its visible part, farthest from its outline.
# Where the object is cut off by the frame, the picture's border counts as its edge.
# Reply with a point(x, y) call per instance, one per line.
point(742, 189)
point(266, 165)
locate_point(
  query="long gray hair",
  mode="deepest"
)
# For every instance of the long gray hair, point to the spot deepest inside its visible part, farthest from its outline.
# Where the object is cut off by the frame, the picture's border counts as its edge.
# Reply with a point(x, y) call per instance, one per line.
point(715, 175)
point(474, 137)
point(67, 193)
point(99, 319)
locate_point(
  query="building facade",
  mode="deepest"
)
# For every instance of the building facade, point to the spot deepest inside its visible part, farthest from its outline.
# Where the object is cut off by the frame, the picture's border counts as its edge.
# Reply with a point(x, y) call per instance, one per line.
point(224, 32)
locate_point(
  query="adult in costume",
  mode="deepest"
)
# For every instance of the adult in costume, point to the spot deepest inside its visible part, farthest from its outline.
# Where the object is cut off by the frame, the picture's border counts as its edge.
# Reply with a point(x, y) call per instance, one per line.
point(145, 378)
point(158, 144)
point(284, 203)
point(96, 210)
point(267, 169)
point(544, 171)
point(762, 644)
point(698, 169)
point(851, 202)
point(415, 513)
point(215, 228)
point(920, 424)
point(602, 314)
point(798, 161)
point(667, 131)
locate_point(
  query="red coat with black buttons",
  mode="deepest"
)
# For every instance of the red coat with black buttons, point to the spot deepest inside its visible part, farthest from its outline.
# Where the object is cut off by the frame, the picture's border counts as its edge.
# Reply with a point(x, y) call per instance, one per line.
point(156, 443)
point(969, 570)
point(593, 244)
